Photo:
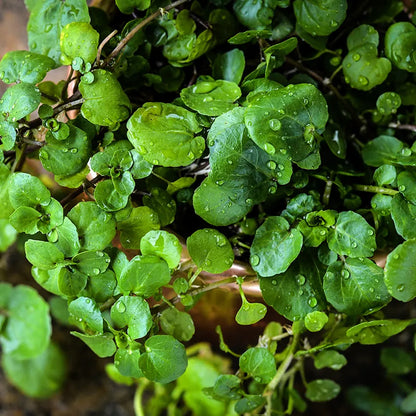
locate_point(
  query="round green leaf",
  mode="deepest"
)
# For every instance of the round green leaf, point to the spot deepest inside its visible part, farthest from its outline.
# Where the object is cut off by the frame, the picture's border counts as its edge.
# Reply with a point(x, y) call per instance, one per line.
point(210, 250)
point(228, 66)
point(322, 390)
point(275, 247)
point(133, 312)
point(24, 66)
point(18, 101)
point(101, 344)
point(399, 272)
point(39, 377)
point(107, 197)
point(250, 313)
point(397, 361)
point(315, 321)
point(355, 287)
point(331, 359)
point(78, 39)
point(23, 338)
point(388, 102)
point(164, 360)
point(178, 324)
point(400, 45)
point(162, 244)
point(164, 134)
point(43, 254)
point(258, 363)
point(127, 361)
point(106, 104)
point(144, 275)
point(86, 310)
point(27, 190)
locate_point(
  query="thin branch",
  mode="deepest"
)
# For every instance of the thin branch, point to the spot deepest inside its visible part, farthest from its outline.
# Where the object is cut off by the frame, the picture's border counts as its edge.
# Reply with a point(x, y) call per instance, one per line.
point(102, 44)
point(79, 190)
point(410, 127)
point(375, 189)
point(68, 106)
point(140, 26)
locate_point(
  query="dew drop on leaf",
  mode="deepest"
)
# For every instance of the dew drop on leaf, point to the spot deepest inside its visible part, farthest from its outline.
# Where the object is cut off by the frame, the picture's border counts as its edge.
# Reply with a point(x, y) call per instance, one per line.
point(255, 260)
point(274, 282)
point(356, 57)
point(345, 274)
point(96, 270)
point(400, 288)
point(271, 165)
point(275, 124)
point(121, 307)
point(301, 279)
point(402, 188)
point(312, 302)
point(269, 148)
point(363, 80)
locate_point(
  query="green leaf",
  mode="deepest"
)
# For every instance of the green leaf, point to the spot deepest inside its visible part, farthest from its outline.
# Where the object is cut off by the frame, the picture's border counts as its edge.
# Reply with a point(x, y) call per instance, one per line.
point(8, 134)
point(163, 204)
point(106, 104)
point(275, 247)
point(164, 134)
point(95, 227)
point(78, 39)
point(397, 361)
point(140, 222)
point(48, 279)
point(403, 214)
point(352, 236)
point(101, 286)
point(388, 103)
point(162, 244)
point(107, 197)
point(18, 101)
point(400, 44)
point(355, 287)
point(320, 17)
point(133, 312)
point(377, 331)
point(67, 238)
point(399, 271)
point(144, 275)
point(406, 185)
point(228, 66)
point(255, 14)
point(102, 345)
point(247, 36)
point(315, 321)
point(164, 360)
point(178, 324)
point(27, 190)
point(258, 363)
point(329, 359)
point(385, 175)
point(286, 120)
point(39, 377)
point(128, 6)
point(71, 282)
point(43, 254)
point(73, 181)
point(210, 250)
point(91, 263)
point(25, 220)
point(22, 338)
point(8, 235)
point(248, 403)
point(86, 310)
point(408, 405)
point(250, 313)
point(226, 388)
point(322, 390)
point(47, 18)
point(24, 66)
point(127, 361)
point(211, 98)
point(362, 67)
point(297, 292)
point(66, 157)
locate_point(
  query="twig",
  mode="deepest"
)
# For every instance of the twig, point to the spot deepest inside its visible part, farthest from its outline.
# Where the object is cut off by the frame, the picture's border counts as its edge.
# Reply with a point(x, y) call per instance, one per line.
point(140, 26)
point(102, 44)
point(79, 190)
point(410, 127)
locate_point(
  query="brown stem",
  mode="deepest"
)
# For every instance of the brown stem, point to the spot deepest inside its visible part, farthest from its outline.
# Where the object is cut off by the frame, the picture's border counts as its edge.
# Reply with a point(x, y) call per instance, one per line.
point(398, 126)
point(80, 190)
point(102, 44)
point(140, 26)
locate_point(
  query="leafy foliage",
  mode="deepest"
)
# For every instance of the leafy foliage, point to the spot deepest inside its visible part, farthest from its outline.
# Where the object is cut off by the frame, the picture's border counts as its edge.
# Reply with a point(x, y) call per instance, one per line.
point(211, 145)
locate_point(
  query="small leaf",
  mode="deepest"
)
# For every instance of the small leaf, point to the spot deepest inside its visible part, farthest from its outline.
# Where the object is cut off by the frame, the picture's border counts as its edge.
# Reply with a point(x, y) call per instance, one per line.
point(397, 361)
point(101, 344)
point(18, 101)
point(27, 190)
point(322, 390)
point(228, 66)
point(210, 250)
point(400, 44)
point(315, 321)
point(43, 254)
point(258, 363)
point(164, 360)
point(86, 310)
point(127, 361)
point(178, 324)
point(331, 359)
point(250, 313)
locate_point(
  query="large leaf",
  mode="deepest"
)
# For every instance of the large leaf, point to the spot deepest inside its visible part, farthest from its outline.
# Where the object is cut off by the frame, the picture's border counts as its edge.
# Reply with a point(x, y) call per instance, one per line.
point(164, 134)
point(106, 104)
point(286, 120)
point(275, 247)
point(47, 18)
point(24, 66)
point(355, 287)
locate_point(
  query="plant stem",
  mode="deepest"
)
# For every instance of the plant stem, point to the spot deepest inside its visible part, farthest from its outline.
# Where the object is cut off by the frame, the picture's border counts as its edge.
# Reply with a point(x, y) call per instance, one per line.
point(79, 190)
point(138, 408)
point(375, 189)
point(102, 44)
point(67, 106)
point(140, 26)
point(410, 127)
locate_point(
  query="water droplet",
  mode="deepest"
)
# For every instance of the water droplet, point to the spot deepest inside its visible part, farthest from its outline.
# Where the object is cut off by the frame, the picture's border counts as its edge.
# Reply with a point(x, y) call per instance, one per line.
point(229, 161)
point(206, 208)
point(371, 289)
point(283, 151)
point(305, 101)
point(74, 150)
point(96, 271)
point(402, 188)
point(354, 244)
point(312, 302)
point(219, 183)
point(400, 288)
point(48, 28)
point(271, 165)
point(121, 307)
point(155, 162)
point(99, 253)
point(301, 279)
point(275, 124)
point(254, 260)
point(207, 99)
point(300, 293)
point(345, 274)
point(396, 257)
point(322, 232)
point(356, 57)
point(334, 23)
point(249, 201)
point(269, 148)
point(272, 189)
point(191, 155)
point(406, 152)
point(274, 282)
point(363, 80)
point(44, 154)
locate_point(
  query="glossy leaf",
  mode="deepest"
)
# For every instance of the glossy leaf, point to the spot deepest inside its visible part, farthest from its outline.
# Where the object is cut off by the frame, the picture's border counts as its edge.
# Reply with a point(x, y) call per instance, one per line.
point(27, 190)
point(275, 247)
point(330, 359)
point(106, 104)
point(133, 312)
point(178, 324)
point(47, 18)
point(322, 390)
point(102, 345)
point(128, 6)
point(163, 204)
point(355, 287)
point(400, 44)
point(18, 101)
point(86, 310)
point(127, 361)
point(24, 66)
point(403, 214)
point(315, 321)
point(253, 14)
point(258, 363)
point(228, 66)
point(164, 360)
point(164, 134)
point(43, 254)
point(250, 313)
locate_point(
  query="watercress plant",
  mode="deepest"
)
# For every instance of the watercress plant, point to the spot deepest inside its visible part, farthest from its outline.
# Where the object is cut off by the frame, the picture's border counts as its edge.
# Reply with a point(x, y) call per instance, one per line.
point(187, 138)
